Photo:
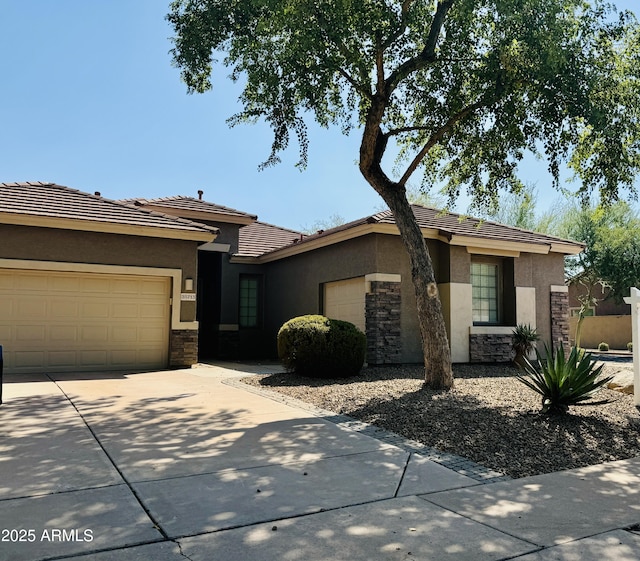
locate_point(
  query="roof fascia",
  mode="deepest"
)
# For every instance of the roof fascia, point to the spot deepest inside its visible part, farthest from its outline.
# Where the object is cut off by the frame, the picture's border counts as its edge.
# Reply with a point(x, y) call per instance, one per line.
point(105, 227)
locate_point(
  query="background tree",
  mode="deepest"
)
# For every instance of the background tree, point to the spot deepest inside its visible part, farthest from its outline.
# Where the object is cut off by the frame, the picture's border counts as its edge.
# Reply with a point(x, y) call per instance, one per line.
point(324, 224)
point(611, 258)
point(519, 209)
point(464, 87)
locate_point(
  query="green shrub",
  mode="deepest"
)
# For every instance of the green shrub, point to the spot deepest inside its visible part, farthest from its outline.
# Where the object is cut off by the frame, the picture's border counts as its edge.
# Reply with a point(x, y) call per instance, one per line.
point(563, 382)
point(630, 347)
point(321, 347)
point(603, 346)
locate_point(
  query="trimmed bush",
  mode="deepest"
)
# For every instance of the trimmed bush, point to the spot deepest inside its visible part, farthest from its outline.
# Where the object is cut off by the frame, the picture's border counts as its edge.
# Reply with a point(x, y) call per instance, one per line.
point(603, 346)
point(321, 347)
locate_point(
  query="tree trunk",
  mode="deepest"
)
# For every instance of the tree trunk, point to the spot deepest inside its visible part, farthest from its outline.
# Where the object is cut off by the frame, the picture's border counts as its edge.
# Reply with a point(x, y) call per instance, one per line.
point(433, 333)
point(435, 344)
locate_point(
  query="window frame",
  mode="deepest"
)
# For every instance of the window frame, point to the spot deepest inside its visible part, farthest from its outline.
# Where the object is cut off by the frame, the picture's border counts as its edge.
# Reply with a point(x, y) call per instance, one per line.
point(256, 307)
point(499, 288)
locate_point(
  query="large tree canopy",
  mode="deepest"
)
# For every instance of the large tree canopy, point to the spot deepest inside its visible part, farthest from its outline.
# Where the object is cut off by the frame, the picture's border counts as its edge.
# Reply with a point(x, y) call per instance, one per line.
point(464, 87)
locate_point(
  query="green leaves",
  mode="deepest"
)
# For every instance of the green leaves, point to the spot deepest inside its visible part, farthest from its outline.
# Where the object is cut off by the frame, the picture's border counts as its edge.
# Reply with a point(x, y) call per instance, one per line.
point(464, 87)
point(612, 254)
point(562, 382)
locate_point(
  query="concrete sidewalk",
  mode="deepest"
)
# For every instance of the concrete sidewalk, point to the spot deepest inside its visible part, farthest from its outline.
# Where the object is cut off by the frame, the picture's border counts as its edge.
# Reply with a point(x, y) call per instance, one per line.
point(179, 465)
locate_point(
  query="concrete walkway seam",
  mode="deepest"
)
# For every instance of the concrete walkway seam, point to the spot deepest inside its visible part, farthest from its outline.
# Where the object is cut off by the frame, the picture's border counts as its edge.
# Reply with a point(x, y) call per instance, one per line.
point(463, 466)
point(113, 463)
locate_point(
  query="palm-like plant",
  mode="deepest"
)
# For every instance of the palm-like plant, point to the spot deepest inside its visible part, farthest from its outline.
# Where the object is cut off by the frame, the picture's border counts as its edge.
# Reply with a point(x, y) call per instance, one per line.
point(524, 340)
point(563, 381)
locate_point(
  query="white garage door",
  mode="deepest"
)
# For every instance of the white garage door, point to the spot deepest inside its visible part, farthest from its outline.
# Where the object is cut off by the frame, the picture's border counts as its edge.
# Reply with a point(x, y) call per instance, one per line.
point(66, 321)
point(345, 300)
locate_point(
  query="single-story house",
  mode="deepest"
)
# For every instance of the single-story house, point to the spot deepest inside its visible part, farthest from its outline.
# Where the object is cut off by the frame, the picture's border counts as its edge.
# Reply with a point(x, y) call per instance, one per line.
point(76, 271)
point(491, 277)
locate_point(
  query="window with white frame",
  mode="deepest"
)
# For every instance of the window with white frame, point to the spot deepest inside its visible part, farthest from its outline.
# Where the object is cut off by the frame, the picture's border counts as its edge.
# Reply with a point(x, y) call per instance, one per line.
point(485, 283)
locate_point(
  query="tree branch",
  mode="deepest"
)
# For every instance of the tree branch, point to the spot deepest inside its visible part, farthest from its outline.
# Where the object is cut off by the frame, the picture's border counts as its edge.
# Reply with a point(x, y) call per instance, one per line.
point(356, 85)
point(401, 27)
point(394, 132)
point(347, 55)
point(438, 136)
point(428, 53)
point(380, 69)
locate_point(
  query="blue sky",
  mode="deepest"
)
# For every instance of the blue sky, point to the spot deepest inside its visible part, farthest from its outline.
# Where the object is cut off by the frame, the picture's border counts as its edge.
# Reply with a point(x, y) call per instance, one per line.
point(90, 100)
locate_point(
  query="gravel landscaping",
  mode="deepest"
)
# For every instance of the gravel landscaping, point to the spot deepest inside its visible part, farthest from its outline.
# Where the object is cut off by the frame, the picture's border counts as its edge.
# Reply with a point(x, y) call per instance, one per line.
point(489, 417)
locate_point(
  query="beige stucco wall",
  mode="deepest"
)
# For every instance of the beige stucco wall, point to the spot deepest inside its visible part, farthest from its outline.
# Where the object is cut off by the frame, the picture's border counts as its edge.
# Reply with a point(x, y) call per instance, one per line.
point(457, 310)
point(50, 244)
point(526, 305)
point(614, 330)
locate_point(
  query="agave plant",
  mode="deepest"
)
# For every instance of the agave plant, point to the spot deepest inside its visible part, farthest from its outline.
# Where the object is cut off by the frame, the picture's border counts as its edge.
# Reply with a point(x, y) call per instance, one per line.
point(563, 381)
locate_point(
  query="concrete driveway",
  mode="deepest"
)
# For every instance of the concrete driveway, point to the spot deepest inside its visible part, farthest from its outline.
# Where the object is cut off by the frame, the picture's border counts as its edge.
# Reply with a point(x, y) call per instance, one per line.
point(183, 464)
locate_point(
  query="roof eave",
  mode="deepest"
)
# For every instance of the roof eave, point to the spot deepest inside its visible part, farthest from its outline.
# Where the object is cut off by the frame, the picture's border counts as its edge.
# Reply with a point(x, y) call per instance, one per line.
point(105, 227)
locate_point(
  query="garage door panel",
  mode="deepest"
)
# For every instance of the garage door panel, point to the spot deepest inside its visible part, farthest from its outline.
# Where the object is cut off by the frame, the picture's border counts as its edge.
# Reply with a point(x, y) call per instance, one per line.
point(6, 333)
point(29, 359)
point(77, 321)
point(64, 284)
point(148, 311)
point(31, 334)
point(6, 309)
point(93, 358)
point(62, 358)
point(94, 334)
point(124, 311)
point(33, 282)
point(97, 285)
point(123, 357)
point(95, 310)
point(145, 356)
point(123, 334)
point(127, 287)
point(345, 300)
point(152, 288)
point(30, 308)
point(64, 309)
point(148, 334)
point(63, 333)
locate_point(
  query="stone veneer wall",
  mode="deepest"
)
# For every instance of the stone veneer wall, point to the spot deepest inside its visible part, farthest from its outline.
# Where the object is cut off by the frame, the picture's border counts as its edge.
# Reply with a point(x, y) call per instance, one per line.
point(382, 320)
point(560, 318)
point(183, 347)
point(490, 347)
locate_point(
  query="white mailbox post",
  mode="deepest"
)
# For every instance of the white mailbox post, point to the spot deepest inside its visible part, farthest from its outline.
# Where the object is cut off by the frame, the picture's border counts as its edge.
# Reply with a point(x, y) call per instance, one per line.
point(634, 300)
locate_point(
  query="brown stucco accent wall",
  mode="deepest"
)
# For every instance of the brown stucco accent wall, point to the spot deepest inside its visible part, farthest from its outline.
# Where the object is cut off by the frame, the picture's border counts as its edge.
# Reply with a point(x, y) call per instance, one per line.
point(294, 285)
point(460, 268)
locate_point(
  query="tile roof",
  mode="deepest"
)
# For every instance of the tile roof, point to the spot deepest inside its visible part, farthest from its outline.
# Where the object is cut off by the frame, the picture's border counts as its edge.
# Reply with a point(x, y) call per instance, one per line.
point(449, 225)
point(182, 202)
point(52, 201)
point(259, 237)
